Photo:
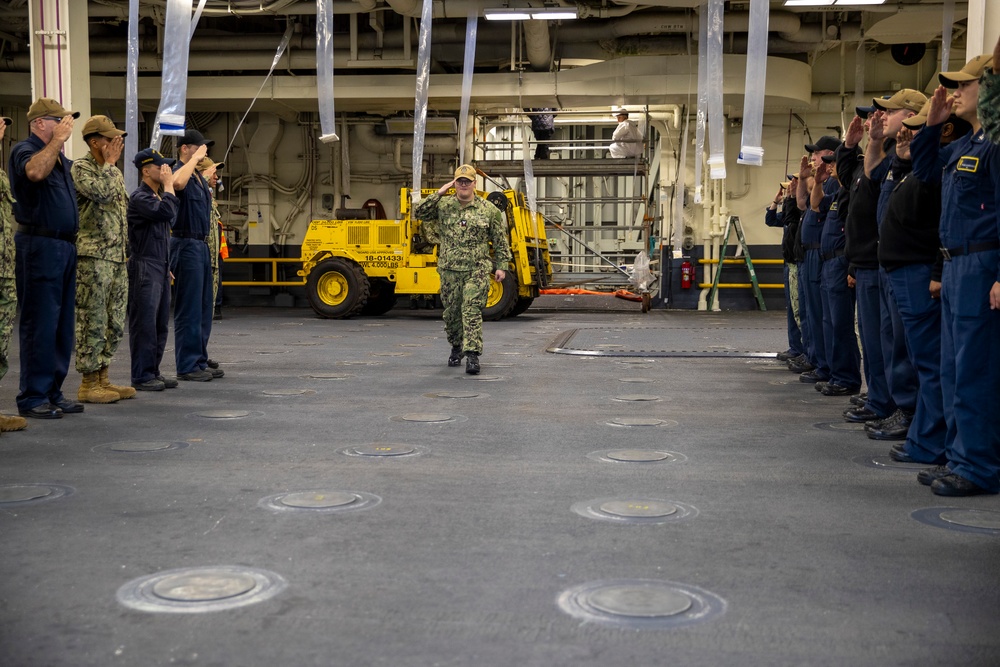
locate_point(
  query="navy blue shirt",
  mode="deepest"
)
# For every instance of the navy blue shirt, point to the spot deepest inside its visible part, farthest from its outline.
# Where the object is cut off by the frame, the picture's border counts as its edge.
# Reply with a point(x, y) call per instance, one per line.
point(812, 221)
point(887, 182)
point(832, 238)
point(969, 171)
point(149, 220)
point(195, 214)
point(49, 203)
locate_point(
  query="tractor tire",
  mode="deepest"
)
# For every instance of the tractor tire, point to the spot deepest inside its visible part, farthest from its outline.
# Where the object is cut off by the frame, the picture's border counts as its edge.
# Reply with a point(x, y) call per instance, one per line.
point(381, 297)
point(502, 298)
point(337, 288)
point(523, 303)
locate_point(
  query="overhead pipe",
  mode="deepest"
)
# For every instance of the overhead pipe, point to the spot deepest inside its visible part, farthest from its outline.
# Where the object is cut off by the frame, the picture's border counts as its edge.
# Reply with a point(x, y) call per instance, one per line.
point(385, 144)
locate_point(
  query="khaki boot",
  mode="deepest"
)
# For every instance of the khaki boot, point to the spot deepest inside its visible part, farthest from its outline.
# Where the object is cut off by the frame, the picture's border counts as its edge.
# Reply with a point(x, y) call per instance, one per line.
point(123, 392)
point(12, 423)
point(92, 392)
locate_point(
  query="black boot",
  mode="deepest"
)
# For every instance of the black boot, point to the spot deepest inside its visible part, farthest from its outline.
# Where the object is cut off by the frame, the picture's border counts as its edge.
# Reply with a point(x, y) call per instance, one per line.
point(472, 363)
point(456, 356)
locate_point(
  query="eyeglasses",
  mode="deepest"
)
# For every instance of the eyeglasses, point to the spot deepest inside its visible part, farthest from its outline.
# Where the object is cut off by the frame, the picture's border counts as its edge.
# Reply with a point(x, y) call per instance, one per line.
point(464, 181)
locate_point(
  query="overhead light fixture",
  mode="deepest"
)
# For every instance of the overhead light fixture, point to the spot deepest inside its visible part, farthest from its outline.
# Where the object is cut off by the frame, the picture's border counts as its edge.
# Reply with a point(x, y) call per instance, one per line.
point(529, 13)
point(831, 3)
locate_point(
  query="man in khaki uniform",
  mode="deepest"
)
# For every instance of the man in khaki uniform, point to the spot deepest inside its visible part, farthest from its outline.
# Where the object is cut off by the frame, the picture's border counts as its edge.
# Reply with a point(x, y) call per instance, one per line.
point(8, 290)
point(101, 275)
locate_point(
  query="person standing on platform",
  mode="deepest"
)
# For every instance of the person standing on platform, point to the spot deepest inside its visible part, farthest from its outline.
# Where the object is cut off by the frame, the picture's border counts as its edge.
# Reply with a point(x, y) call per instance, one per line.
point(101, 274)
point(969, 169)
point(626, 141)
point(8, 289)
point(47, 224)
point(152, 210)
point(465, 225)
point(190, 262)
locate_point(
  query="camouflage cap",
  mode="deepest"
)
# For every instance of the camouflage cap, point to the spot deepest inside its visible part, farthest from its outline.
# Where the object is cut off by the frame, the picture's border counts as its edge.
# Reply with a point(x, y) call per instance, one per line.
point(972, 71)
point(103, 126)
point(466, 171)
point(46, 106)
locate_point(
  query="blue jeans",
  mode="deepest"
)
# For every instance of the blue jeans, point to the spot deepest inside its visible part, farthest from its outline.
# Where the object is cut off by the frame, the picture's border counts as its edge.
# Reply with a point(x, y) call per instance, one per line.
point(811, 311)
point(899, 372)
point(838, 322)
point(869, 297)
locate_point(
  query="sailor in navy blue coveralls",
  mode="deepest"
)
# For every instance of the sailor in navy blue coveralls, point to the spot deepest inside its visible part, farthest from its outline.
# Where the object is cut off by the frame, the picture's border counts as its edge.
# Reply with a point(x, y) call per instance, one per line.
point(970, 287)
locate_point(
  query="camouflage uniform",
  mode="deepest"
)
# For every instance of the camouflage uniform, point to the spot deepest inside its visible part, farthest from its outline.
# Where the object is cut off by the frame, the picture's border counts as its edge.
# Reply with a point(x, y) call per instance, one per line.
point(8, 291)
point(101, 274)
point(214, 241)
point(464, 234)
point(989, 104)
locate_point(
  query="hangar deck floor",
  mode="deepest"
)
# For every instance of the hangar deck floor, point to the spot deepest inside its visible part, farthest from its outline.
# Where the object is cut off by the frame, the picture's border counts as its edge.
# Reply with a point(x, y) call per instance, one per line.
point(490, 521)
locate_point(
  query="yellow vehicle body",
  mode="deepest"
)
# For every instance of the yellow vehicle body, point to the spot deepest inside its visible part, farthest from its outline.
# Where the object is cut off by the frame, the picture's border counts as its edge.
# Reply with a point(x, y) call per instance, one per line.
point(356, 267)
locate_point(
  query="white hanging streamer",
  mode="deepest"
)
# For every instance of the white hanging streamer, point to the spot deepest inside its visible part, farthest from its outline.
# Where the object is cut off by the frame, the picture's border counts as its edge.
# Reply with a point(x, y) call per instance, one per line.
point(947, 22)
point(324, 71)
point(173, 91)
point(529, 170)
point(420, 99)
point(716, 129)
point(197, 15)
point(132, 96)
point(699, 132)
point(751, 150)
point(471, 29)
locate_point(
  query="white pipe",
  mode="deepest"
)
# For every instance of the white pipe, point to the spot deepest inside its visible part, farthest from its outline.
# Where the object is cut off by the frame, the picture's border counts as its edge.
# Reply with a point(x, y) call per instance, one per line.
point(383, 145)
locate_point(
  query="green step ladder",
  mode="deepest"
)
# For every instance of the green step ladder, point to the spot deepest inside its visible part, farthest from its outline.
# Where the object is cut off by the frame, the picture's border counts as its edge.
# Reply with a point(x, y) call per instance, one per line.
point(734, 223)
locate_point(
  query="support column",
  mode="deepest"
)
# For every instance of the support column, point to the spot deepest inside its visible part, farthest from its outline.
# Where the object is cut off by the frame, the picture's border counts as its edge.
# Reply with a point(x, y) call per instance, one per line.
point(984, 26)
point(60, 59)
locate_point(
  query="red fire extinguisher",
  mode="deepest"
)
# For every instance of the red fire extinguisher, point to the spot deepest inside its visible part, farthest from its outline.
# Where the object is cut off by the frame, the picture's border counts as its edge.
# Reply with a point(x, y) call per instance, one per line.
point(687, 274)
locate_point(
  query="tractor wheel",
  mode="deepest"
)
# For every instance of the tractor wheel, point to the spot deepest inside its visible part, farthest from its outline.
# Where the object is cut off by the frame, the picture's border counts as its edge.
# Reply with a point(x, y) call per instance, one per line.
point(337, 288)
point(523, 303)
point(502, 298)
point(381, 297)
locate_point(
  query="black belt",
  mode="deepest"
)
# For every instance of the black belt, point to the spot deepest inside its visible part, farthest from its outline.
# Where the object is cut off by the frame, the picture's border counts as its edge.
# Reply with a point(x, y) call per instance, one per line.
point(32, 230)
point(189, 235)
point(826, 256)
point(969, 248)
point(811, 246)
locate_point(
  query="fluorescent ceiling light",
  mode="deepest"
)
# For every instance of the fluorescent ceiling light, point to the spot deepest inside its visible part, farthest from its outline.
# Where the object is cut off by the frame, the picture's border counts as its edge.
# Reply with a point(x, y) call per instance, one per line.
point(829, 3)
point(506, 14)
point(526, 13)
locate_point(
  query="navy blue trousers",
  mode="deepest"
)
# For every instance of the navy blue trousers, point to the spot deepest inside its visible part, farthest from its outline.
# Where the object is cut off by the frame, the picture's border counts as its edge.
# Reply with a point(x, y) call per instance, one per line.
point(922, 321)
point(794, 334)
point(970, 367)
point(192, 269)
point(148, 316)
point(45, 271)
point(869, 298)
point(899, 372)
point(811, 311)
point(838, 325)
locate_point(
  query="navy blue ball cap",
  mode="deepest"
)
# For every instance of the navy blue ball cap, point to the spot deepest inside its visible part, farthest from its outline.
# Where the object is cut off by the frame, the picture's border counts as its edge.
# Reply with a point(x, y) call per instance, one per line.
point(825, 143)
point(194, 138)
point(150, 156)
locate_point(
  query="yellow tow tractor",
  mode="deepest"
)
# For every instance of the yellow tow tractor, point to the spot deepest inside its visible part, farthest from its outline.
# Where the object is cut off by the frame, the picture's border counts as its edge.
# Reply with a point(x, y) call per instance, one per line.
point(359, 267)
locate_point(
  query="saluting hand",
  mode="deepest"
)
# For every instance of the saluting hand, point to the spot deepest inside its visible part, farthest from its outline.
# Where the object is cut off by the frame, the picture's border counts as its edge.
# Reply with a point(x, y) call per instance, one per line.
point(500, 274)
point(805, 168)
point(995, 296)
point(855, 132)
point(167, 177)
point(447, 186)
point(903, 139)
point(64, 130)
point(113, 150)
point(877, 130)
point(201, 152)
point(941, 105)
